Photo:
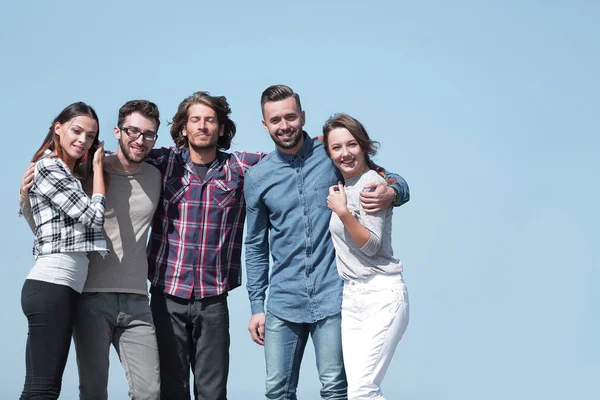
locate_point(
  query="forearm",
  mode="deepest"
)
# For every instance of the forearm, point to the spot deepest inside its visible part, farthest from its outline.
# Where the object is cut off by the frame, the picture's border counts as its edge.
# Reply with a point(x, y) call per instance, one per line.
point(98, 183)
point(359, 234)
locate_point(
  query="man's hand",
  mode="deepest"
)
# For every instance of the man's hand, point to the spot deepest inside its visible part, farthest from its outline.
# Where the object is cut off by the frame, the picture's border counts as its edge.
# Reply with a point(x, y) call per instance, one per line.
point(376, 197)
point(27, 181)
point(256, 327)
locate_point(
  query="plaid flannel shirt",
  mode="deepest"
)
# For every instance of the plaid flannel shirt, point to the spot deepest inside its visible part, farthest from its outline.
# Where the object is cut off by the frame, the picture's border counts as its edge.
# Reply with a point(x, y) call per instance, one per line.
point(196, 239)
point(66, 219)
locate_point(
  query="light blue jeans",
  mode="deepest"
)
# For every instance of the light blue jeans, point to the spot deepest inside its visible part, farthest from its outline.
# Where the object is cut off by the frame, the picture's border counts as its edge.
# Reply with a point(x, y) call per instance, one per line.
point(284, 347)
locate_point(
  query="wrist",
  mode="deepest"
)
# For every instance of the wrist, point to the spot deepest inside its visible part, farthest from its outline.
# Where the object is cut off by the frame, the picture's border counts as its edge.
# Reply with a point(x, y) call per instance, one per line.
point(343, 212)
point(396, 197)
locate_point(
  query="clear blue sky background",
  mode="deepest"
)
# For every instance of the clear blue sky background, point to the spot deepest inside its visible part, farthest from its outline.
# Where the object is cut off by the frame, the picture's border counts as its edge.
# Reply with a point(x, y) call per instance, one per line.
point(489, 109)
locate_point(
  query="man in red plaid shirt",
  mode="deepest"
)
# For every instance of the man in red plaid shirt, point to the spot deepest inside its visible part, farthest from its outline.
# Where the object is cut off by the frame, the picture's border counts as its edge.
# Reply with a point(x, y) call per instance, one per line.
point(194, 252)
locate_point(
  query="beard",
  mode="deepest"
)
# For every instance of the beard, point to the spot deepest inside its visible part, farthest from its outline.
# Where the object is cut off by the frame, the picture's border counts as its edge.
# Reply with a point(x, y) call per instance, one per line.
point(292, 142)
point(129, 156)
point(202, 147)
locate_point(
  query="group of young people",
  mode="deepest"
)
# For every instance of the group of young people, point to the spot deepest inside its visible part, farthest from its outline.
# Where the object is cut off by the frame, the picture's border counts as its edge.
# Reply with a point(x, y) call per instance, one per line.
point(318, 216)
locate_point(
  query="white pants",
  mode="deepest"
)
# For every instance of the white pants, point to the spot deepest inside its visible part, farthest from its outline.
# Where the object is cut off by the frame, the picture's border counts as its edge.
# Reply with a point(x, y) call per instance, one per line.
point(374, 318)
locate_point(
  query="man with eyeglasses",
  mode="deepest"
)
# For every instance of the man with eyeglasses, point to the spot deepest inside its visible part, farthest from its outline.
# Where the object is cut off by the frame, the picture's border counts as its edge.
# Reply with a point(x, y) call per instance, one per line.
point(114, 308)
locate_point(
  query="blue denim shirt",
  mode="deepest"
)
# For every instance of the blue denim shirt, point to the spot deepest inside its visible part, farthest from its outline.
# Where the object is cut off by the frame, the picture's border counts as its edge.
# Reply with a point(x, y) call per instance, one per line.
point(286, 204)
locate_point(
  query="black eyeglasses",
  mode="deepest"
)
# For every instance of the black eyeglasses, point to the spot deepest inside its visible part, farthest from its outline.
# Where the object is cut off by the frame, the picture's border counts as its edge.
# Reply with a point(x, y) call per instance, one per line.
point(134, 133)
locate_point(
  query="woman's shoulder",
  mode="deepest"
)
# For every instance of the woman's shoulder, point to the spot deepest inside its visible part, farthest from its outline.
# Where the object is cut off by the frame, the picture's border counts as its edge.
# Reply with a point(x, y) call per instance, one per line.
point(371, 176)
point(50, 166)
point(47, 162)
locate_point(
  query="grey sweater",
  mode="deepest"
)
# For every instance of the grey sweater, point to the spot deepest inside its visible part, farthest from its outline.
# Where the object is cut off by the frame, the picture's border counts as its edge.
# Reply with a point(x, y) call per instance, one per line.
point(377, 255)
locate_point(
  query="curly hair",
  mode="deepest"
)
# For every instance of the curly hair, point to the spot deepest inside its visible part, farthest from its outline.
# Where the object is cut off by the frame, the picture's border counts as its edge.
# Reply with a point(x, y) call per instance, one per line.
point(146, 108)
point(221, 107)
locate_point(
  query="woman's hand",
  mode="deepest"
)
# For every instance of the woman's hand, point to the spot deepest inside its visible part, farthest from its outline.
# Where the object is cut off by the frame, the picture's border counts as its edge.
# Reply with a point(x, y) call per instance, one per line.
point(27, 180)
point(336, 200)
point(98, 161)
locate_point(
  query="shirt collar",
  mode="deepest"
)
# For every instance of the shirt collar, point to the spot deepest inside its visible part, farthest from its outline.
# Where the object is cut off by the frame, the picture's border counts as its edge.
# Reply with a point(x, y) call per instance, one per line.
point(301, 154)
point(186, 161)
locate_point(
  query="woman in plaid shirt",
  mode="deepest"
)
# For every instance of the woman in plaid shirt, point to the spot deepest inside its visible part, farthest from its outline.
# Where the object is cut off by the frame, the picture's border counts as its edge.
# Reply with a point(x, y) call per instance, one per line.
point(68, 224)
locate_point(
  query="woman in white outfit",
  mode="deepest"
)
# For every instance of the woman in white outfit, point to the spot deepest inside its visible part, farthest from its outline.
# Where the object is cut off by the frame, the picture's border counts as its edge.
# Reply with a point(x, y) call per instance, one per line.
point(375, 301)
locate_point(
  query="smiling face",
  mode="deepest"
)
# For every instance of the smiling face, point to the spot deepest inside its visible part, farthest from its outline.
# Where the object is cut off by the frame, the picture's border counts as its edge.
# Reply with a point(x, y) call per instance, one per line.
point(346, 153)
point(284, 121)
point(76, 137)
point(135, 150)
point(202, 128)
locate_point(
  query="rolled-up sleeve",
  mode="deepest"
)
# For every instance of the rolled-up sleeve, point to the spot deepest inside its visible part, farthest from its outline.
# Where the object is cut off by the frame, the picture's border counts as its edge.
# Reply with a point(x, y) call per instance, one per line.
point(400, 186)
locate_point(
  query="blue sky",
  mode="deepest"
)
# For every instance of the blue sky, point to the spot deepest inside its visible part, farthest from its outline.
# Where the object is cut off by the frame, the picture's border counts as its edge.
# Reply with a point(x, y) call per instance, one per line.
point(485, 108)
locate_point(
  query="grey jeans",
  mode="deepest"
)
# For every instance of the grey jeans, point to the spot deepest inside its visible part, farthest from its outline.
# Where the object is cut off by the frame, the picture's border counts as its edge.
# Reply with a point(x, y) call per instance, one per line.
point(124, 320)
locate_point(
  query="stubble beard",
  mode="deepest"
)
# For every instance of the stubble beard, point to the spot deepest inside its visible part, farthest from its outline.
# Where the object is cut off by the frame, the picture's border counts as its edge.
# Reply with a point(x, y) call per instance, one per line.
point(128, 156)
point(296, 137)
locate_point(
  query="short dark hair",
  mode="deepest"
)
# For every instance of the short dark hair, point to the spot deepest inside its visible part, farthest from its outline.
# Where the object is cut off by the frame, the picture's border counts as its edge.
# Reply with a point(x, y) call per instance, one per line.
point(221, 107)
point(278, 93)
point(147, 108)
point(356, 129)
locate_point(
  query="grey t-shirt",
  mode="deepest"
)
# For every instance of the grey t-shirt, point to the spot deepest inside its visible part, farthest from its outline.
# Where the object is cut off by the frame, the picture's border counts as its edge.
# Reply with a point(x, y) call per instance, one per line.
point(202, 169)
point(377, 255)
point(131, 199)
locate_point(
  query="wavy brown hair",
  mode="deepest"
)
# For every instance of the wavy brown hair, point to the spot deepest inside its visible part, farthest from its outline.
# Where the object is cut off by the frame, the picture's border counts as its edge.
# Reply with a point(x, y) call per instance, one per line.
point(221, 107)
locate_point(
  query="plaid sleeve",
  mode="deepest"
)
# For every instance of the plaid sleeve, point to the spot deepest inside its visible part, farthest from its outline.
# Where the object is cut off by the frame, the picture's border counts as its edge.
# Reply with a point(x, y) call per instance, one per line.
point(62, 189)
point(159, 157)
point(248, 159)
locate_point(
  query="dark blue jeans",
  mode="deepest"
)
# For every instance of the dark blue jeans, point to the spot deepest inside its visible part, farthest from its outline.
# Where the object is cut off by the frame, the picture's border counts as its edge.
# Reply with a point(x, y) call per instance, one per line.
point(49, 309)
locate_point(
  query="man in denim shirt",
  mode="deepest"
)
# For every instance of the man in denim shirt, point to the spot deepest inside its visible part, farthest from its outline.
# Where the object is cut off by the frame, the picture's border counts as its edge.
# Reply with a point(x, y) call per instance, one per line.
point(287, 217)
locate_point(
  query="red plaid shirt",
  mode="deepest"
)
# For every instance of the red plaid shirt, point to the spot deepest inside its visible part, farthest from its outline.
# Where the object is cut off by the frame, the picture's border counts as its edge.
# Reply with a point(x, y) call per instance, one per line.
point(196, 240)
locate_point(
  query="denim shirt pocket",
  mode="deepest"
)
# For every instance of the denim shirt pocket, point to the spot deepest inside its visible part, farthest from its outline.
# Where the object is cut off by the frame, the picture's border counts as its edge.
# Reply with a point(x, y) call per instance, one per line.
point(225, 193)
point(320, 191)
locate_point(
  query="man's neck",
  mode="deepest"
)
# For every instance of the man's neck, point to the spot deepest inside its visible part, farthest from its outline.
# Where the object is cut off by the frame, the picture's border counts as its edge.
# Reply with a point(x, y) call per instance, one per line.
point(203, 156)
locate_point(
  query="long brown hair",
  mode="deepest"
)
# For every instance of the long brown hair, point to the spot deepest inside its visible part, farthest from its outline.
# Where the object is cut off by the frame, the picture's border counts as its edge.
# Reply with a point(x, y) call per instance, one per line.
point(221, 107)
point(52, 140)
